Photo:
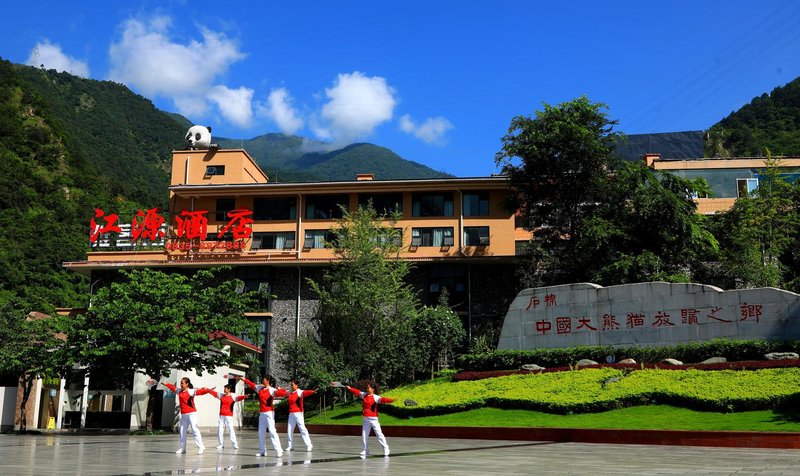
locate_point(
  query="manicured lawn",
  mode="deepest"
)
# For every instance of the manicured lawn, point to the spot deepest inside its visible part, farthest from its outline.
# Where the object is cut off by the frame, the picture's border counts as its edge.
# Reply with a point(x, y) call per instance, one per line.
point(652, 417)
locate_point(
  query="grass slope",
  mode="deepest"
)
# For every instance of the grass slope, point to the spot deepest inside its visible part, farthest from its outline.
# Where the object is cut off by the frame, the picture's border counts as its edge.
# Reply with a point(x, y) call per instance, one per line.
point(650, 417)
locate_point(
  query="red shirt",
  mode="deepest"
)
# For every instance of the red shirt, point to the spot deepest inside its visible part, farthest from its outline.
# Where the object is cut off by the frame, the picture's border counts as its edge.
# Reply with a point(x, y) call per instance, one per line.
point(370, 401)
point(296, 400)
point(186, 397)
point(266, 395)
point(226, 402)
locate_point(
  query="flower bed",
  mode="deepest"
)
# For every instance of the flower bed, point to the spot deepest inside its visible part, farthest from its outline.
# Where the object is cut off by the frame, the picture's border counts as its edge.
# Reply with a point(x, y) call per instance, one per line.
point(469, 375)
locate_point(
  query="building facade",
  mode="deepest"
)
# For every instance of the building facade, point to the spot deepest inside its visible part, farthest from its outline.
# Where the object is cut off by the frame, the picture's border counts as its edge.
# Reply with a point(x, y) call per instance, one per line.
point(224, 211)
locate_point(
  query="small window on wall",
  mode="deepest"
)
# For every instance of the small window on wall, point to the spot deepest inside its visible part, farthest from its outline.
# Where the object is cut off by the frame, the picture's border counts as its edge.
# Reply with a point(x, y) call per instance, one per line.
point(325, 206)
point(432, 204)
point(224, 205)
point(273, 241)
point(476, 235)
point(383, 203)
point(318, 238)
point(746, 186)
point(476, 204)
point(268, 208)
point(215, 170)
point(432, 237)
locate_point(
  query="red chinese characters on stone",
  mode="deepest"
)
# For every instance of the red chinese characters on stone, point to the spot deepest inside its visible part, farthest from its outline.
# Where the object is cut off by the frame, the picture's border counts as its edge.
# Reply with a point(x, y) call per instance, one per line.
point(609, 322)
point(550, 300)
point(533, 303)
point(662, 319)
point(713, 311)
point(95, 229)
point(543, 326)
point(147, 225)
point(585, 322)
point(750, 311)
point(689, 316)
point(192, 224)
point(634, 320)
point(239, 224)
point(563, 325)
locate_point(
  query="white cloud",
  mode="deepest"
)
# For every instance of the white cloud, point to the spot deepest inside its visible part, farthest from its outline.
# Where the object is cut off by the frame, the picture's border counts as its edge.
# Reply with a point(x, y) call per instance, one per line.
point(235, 104)
point(431, 131)
point(280, 110)
point(147, 59)
point(52, 57)
point(356, 105)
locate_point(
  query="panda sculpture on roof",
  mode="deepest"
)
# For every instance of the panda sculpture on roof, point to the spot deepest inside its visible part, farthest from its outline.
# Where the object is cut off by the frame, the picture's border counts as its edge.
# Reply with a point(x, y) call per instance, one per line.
point(198, 137)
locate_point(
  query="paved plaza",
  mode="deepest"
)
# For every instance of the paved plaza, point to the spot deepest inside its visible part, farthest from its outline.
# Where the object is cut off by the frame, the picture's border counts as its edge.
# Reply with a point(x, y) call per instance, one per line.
point(55, 454)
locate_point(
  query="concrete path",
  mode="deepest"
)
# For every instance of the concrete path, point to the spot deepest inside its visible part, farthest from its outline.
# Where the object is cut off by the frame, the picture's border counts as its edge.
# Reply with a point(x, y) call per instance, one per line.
point(57, 454)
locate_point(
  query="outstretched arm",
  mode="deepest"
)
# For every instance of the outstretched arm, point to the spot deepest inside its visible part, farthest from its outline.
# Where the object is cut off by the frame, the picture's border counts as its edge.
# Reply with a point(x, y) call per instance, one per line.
point(203, 391)
point(354, 391)
point(280, 392)
point(170, 386)
point(308, 393)
point(248, 383)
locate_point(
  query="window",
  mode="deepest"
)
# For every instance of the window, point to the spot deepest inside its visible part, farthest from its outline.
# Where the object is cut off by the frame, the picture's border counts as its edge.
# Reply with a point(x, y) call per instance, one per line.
point(432, 237)
point(745, 186)
point(476, 235)
point(224, 205)
point(432, 204)
point(215, 170)
point(476, 204)
point(318, 238)
point(325, 206)
point(451, 277)
point(265, 208)
point(396, 236)
point(273, 240)
point(383, 203)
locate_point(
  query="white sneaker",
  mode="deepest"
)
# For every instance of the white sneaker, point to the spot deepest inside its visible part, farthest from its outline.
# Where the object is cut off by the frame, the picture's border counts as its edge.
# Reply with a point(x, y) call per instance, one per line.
point(200, 450)
point(364, 453)
point(261, 454)
point(236, 447)
point(219, 447)
point(386, 452)
point(180, 451)
point(279, 453)
point(288, 448)
point(309, 448)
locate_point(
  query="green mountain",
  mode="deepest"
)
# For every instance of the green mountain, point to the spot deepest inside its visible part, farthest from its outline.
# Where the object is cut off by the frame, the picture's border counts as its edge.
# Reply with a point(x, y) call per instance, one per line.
point(771, 121)
point(296, 159)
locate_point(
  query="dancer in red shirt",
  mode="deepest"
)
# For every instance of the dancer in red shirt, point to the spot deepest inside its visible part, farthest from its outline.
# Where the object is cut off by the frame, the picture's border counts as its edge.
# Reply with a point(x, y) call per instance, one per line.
point(226, 402)
point(185, 398)
point(296, 417)
point(266, 416)
point(370, 414)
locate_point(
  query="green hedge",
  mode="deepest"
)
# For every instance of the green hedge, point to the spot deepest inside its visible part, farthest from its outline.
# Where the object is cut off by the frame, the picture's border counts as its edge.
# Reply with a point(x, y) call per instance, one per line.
point(595, 390)
point(733, 350)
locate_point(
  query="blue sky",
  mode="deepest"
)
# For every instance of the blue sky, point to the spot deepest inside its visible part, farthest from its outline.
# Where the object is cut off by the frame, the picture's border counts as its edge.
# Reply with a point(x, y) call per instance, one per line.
point(437, 82)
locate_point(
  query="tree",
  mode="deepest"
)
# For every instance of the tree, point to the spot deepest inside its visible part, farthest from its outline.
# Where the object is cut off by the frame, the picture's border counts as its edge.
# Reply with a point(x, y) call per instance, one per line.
point(438, 331)
point(760, 232)
point(557, 161)
point(646, 228)
point(592, 217)
point(366, 307)
point(151, 322)
point(33, 346)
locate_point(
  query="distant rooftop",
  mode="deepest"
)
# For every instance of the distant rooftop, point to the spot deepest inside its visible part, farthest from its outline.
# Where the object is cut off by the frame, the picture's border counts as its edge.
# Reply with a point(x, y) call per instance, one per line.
point(671, 145)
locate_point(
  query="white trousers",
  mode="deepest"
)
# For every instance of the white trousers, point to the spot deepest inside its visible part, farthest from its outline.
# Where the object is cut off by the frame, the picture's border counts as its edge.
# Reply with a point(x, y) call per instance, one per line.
point(372, 422)
point(190, 420)
point(226, 421)
point(266, 424)
point(297, 419)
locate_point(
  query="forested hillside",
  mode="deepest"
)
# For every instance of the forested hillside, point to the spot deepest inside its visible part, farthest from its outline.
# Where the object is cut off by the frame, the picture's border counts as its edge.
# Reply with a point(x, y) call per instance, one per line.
point(771, 121)
point(296, 159)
